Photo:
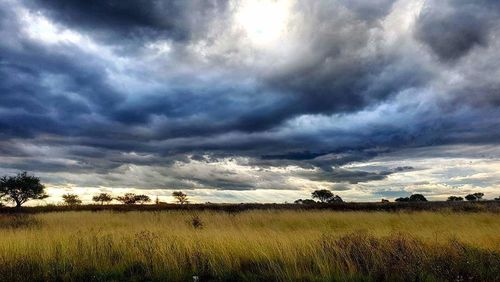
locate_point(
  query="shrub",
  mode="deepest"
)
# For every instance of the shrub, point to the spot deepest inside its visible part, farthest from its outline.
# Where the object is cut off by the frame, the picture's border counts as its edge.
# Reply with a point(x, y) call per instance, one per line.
point(412, 198)
point(196, 222)
point(471, 197)
point(454, 199)
point(417, 198)
point(402, 199)
point(305, 202)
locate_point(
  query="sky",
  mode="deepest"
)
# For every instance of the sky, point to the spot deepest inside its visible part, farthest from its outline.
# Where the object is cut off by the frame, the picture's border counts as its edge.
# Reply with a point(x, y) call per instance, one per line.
point(252, 100)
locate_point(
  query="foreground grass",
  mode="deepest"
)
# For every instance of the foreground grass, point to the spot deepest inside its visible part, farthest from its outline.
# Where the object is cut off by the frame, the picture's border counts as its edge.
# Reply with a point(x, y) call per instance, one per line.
point(252, 245)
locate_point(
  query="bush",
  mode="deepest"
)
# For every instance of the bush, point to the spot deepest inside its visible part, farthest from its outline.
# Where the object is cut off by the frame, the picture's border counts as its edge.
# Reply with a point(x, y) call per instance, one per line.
point(454, 199)
point(412, 198)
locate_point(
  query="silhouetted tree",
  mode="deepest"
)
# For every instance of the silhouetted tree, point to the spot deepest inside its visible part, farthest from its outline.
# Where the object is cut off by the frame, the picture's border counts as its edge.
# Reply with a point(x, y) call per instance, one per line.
point(102, 198)
point(402, 199)
point(305, 202)
point(454, 198)
point(180, 197)
point(412, 198)
point(71, 199)
point(142, 199)
point(335, 199)
point(479, 196)
point(497, 199)
point(21, 188)
point(472, 197)
point(385, 201)
point(127, 199)
point(322, 195)
point(417, 198)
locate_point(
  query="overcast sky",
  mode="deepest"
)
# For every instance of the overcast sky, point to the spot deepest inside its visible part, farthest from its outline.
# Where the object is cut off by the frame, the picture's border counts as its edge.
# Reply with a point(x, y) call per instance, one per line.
point(252, 100)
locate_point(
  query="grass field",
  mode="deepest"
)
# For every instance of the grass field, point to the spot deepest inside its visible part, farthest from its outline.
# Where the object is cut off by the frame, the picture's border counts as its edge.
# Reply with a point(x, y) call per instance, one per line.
point(251, 245)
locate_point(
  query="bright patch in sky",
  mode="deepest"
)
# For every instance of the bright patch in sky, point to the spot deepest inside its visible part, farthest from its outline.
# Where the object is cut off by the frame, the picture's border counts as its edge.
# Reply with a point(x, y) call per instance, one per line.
point(264, 21)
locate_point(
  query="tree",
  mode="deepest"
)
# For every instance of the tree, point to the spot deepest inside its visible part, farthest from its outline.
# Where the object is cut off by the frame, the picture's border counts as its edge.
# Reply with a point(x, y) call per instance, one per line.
point(180, 197)
point(417, 198)
point(71, 199)
point(471, 197)
point(478, 196)
point(335, 199)
point(21, 188)
point(454, 199)
point(412, 198)
point(497, 199)
point(402, 199)
point(305, 202)
point(385, 201)
point(322, 195)
point(142, 199)
point(127, 199)
point(102, 198)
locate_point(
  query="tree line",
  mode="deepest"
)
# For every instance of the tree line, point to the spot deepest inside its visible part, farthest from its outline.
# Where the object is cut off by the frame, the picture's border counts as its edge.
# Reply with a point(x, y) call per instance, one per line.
point(23, 187)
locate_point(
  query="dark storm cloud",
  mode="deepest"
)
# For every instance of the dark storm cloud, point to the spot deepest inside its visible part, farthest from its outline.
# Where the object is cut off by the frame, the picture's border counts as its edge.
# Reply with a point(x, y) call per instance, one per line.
point(337, 76)
point(349, 176)
point(133, 21)
point(452, 28)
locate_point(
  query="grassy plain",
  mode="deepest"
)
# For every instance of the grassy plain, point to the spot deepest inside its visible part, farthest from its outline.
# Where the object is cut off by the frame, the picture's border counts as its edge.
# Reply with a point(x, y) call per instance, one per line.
point(265, 245)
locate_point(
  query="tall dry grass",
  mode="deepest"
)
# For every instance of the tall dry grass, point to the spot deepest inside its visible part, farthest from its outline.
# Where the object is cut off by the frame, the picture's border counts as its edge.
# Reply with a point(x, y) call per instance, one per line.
point(253, 245)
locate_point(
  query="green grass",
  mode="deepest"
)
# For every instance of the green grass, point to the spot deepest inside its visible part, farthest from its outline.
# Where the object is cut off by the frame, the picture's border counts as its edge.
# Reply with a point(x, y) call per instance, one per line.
point(252, 245)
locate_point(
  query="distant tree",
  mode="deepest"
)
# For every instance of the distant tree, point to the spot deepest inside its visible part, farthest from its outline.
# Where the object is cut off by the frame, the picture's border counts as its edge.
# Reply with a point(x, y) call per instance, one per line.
point(497, 199)
point(142, 199)
point(479, 196)
point(21, 188)
point(102, 198)
point(71, 199)
point(180, 197)
point(471, 197)
point(335, 199)
point(305, 202)
point(454, 199)
point(157, 201)
point(417, 198)
point(385, 201)
point(412, 198)
point(322, 195)
point(127, 199)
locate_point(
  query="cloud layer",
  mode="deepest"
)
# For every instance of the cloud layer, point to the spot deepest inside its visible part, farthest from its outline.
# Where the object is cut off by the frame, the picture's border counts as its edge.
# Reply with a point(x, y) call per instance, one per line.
point(241, 95)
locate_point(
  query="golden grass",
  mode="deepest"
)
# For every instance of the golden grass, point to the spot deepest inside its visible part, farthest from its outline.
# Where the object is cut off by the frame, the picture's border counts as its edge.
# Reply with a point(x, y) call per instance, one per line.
point(277, 245)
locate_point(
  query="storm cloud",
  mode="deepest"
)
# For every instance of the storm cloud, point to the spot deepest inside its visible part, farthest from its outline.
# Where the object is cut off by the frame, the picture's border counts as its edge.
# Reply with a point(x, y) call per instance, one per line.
point(215, 95)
